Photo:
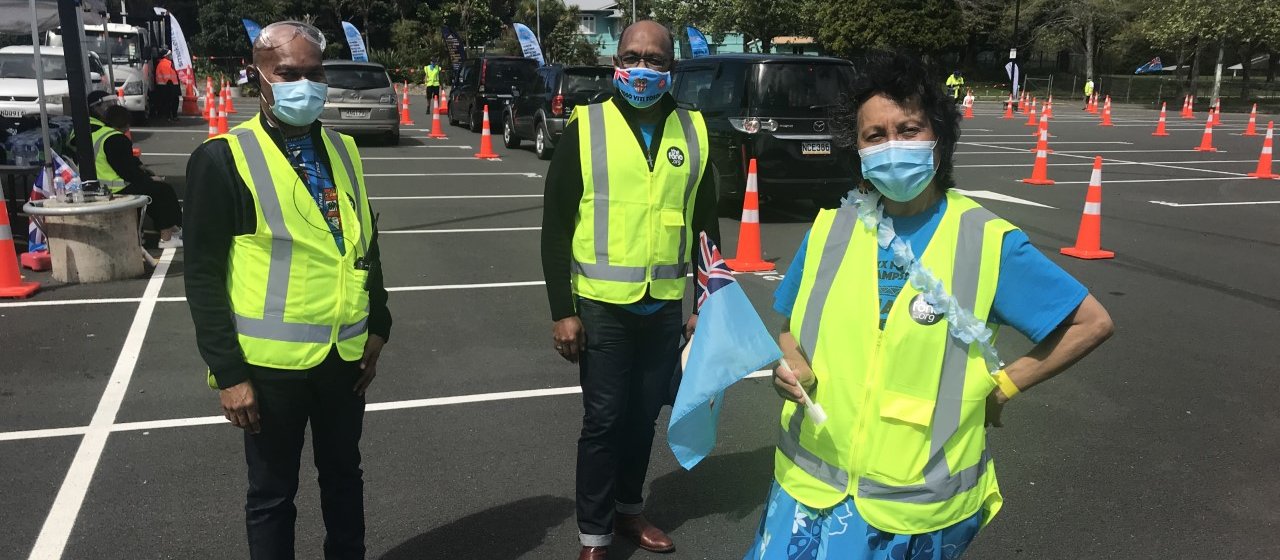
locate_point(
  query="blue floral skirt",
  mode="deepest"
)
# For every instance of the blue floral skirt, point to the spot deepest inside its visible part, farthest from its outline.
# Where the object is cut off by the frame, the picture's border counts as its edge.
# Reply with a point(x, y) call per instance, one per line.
point(790, 530)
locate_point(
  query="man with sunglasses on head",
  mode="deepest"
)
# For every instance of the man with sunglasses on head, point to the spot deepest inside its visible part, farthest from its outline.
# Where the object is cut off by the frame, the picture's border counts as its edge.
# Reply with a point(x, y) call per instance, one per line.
point(285, 288)
point(626, 196)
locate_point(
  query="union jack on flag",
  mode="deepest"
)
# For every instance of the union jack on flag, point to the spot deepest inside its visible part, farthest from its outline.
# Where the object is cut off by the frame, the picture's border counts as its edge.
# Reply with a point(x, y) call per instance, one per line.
point(35, 238)
point(713, 273)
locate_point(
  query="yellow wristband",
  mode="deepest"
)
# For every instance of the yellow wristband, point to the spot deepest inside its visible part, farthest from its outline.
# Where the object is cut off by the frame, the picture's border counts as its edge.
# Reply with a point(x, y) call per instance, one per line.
point(1006, 385)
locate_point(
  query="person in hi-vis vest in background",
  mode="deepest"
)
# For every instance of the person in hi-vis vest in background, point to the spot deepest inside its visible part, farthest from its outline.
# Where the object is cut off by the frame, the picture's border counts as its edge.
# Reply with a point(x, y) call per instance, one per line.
point(626, 197)
point(1088, 91)
point(284, 283)
point(431, 79)
point(891, 303)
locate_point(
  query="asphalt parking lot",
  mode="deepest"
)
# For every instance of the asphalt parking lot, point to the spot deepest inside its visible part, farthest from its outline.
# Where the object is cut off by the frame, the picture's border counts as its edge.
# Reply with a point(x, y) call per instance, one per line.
point(1162, 444)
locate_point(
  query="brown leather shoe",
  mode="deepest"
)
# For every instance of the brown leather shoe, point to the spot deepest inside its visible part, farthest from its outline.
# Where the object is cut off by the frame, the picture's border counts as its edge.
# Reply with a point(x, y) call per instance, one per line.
point(643, 533)
point(594, 553)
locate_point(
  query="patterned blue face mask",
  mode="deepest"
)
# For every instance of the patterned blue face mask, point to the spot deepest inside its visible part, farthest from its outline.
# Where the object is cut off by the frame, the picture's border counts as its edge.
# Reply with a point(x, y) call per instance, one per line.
point(299, 103)
point(899, 169)
point(641, 87)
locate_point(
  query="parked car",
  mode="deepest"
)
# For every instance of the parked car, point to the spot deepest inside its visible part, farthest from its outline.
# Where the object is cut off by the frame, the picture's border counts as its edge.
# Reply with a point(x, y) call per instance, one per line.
point(361, 100)
point(19, 97)
point(540, 109)
point(774, 108)
point(491, 81)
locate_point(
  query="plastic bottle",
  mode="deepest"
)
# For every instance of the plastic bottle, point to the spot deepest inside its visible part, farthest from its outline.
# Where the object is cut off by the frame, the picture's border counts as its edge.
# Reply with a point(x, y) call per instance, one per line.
point(75, 193)
point(59, 188)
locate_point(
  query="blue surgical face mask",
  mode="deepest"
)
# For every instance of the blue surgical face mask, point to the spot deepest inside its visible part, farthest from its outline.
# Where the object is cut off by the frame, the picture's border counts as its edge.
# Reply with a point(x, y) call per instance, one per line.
point(641, 87)
point(899, 169)
point(299, 103)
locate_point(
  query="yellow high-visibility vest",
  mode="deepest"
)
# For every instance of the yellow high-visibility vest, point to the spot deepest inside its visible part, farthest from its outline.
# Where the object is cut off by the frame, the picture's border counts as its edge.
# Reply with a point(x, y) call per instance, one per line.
point(906, 405)
point(107, 175)
point(634, 228)
point(432, 75)
point(293, 295)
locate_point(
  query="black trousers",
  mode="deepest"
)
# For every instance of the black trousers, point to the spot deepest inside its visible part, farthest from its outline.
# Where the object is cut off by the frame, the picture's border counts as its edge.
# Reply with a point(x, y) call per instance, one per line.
point(432, 91)
point(626, 378)
point(165, 211)
point(287, 400)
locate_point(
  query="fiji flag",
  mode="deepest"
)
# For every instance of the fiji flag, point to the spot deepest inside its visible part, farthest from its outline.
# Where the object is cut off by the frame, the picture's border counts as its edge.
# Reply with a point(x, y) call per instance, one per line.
point(35, 238)
point(731, 342)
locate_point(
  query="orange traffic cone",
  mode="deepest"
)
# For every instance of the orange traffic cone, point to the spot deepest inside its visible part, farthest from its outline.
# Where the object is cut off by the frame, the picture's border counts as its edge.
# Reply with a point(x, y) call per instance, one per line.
point(137, 152)
point(749, 257)
point(211, 115)
point(1252, 128)
point(1008, 109)
point(1048, 108)
point(405, 119)
point(208, 99)
point(189, 105)
point(486, 139)
point(1031, 115)
point(120, 96)
point(1022, 103)
point(444, 105)
point(1106, 113)
point(1089, 239)
point(1188, 108)
point(1093, 104)
point(1264, 160)
point(226, 95)
point(222, 116)
point(1160, 131)
point(1206, 141)
point(11, 284)
point(1040, 173)
point(436, 131)
point(968, 107)
point(1042, 136)
point(1217, 112)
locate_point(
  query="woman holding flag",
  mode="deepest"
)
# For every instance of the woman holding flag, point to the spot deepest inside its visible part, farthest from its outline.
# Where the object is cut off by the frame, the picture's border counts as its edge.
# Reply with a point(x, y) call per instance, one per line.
point(892, 304)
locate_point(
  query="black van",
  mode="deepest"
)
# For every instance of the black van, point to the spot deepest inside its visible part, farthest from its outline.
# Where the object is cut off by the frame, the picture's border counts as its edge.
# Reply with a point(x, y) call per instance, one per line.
point(773, 108)
point(489, 80)
point(543, 108)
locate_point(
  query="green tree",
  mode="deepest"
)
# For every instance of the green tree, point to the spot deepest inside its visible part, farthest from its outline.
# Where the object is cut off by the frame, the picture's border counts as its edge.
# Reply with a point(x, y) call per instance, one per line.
point(222, 33)
point(929, 27)
point(473, 20)
point(561, 41)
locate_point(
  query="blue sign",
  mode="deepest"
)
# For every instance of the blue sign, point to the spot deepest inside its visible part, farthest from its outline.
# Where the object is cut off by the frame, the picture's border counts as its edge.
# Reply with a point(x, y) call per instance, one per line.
point(1151, 67)
point(252, 28)
point(529, 43)
point(457, 51)
point(356, 42)
point(697, 42)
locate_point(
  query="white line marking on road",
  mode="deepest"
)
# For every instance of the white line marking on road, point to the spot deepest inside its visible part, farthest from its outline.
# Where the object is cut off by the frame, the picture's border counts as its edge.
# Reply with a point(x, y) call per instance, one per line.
point(1002, 197)
point(181, 299)
point(1196, 204)
point(1105, 181)
point(529, 175)
point(1178, 167)
point(1021, 151)
point(161, 154)
point(1034, 141)
point(458, 197)
point(1112, 163)
point(471, 230)
point(66, 506)
point(467, 286)
point(435, 146)
point(367, 158)
point(382, 406)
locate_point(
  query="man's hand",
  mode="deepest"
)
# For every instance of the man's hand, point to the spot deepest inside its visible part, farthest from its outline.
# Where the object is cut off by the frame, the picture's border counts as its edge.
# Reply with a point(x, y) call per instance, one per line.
point(240, 406)
point(369, 363)
point(787, 383)
point(690, 326)
point(569, 338)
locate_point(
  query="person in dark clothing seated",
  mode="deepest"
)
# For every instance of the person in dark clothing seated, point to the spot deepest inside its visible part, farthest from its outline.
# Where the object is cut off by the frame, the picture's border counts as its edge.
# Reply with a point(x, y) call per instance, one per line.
point(122, 172)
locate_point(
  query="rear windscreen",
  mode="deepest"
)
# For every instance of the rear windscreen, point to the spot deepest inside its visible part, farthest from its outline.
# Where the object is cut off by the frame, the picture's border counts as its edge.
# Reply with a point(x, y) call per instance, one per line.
point(797, 87)
point(356, 77)
point(587, 80)
point(507, 73)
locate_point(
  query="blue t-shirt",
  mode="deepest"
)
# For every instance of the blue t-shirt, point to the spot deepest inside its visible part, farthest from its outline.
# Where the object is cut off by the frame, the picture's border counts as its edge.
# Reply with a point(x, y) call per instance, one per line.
point(302, 154)
point(1034, 295)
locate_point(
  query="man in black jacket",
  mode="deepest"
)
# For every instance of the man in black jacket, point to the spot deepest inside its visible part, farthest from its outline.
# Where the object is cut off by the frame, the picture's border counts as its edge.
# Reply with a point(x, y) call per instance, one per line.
point(228, 216)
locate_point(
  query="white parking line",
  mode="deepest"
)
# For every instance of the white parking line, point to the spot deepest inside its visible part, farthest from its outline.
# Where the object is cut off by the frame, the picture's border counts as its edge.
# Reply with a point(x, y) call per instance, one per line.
point(371, 407)
point(516, 174)
point(1003, 198)
point(1109, 182)
point(1033, 142)
point(466, 286)
point(472, 230)
point(1089, 163)
point(1196, 204)
point(66, 506)
point(1163, 166)
point(1023, 152)
point(455, 197)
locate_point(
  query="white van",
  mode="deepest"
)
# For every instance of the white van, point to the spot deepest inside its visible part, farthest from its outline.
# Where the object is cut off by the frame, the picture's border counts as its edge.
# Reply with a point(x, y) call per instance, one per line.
point(19, 96)
point(131, 64)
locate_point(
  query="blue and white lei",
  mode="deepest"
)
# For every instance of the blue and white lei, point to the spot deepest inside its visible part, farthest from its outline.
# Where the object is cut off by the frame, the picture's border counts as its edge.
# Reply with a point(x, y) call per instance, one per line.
point(960, 321)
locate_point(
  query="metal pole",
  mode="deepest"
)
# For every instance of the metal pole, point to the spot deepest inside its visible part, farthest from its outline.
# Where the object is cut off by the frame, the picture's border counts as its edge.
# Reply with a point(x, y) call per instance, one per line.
point(111, 67)
point(1013, 50)
point(633, 11)
point(44, 113)
point(538, 9)
point(72, 51)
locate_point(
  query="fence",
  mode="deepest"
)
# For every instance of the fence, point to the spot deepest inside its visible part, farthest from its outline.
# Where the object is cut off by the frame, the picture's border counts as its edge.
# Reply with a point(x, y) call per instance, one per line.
point(1148, 90)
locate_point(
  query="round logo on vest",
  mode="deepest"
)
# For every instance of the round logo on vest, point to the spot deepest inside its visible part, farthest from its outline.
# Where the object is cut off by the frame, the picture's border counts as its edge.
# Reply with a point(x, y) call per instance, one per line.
point(922, 312)
point(675, 156)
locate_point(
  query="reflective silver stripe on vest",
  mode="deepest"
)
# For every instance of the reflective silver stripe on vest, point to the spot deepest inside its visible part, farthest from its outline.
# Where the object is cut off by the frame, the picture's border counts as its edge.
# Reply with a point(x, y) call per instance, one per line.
point(604, 271)
point(694, 159)
point(341, 148)
point(939, 485)
point(600, 185)
point(97, 147)
point(832, 257)
point(272, 325)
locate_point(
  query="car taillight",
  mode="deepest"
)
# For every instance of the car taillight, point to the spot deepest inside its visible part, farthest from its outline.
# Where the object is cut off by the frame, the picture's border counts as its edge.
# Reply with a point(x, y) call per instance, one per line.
point(484, 69)
point(557, 105)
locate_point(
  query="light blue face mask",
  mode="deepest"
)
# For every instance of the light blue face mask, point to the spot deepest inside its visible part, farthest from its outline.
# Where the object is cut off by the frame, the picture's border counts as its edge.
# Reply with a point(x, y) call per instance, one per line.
point(899, 169)
point(641, 87)
point(299, 103)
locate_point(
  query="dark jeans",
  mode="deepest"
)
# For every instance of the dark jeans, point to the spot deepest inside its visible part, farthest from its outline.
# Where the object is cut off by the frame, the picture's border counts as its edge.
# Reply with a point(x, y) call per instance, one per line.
point(165, 211)
point(286, 401)
point(626, 374)
point(432, 91)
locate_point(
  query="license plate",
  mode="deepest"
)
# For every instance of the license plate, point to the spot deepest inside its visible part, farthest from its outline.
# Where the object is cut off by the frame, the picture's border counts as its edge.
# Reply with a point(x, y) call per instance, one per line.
point(355, 113)
point(14, 113)
point(815, 148)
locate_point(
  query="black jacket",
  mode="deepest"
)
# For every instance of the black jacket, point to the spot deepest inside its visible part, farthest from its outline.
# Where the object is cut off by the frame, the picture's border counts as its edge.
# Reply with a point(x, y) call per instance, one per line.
point(563, 195)
point(218, 207)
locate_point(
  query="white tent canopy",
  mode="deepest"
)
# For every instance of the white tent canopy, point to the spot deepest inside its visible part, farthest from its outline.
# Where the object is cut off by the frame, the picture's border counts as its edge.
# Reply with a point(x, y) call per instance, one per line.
point(15, 15)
